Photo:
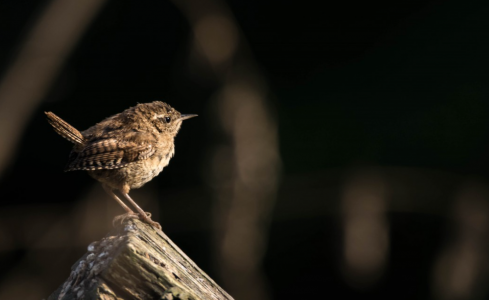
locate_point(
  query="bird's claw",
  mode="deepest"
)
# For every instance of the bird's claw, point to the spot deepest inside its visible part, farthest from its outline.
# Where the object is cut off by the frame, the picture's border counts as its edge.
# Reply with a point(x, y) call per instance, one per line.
point(121, 218)
point(147, 219)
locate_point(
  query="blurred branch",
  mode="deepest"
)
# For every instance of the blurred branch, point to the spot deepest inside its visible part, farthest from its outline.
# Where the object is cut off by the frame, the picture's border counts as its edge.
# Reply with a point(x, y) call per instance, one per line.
point(41, 56)
point(461, 268)
point(366, 228)
point(246, 166)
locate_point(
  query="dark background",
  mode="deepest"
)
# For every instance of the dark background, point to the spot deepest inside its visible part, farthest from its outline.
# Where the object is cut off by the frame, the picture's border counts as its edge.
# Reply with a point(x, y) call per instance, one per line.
point(397, 87)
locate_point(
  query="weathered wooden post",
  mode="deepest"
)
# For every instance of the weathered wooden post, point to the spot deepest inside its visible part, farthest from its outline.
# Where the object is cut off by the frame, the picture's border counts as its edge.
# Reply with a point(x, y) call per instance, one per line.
point(137, 262)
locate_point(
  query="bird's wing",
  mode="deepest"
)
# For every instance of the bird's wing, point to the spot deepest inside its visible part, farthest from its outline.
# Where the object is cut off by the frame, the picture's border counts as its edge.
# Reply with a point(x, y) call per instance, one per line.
point(112, 153)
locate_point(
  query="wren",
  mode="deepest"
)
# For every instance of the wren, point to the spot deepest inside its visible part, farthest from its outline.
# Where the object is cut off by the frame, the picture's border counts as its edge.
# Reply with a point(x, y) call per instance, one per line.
point(126, 150)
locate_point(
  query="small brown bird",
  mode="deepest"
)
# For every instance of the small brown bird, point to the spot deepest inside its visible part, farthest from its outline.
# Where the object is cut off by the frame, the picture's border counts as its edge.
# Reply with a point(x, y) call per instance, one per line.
point(124, 151)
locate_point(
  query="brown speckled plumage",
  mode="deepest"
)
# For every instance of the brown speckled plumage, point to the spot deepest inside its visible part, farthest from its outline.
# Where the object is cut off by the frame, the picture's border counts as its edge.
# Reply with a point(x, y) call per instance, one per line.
point(126, 150)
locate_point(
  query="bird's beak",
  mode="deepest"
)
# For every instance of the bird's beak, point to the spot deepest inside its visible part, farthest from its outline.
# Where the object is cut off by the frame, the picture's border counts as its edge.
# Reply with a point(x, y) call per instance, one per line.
point(185, 117)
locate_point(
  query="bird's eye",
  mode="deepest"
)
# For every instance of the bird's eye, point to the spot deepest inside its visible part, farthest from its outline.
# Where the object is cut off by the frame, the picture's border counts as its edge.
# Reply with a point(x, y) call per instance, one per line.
point(167, 119)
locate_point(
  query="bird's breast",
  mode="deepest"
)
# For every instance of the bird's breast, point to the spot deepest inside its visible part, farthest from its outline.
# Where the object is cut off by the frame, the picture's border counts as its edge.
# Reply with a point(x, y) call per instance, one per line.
point(161, 160)
point(151, 167)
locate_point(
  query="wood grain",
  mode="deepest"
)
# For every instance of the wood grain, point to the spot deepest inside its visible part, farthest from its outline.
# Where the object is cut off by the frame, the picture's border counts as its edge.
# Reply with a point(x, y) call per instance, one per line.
point(137, 262)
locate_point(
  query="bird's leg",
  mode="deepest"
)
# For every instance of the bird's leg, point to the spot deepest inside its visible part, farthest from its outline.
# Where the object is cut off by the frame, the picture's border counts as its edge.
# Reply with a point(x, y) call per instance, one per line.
point(129, 213)
point(146, 217)
point(114, 196)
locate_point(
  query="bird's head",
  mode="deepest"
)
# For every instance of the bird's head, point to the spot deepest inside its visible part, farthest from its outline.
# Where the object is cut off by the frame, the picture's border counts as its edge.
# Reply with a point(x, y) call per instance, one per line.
point(164, 118)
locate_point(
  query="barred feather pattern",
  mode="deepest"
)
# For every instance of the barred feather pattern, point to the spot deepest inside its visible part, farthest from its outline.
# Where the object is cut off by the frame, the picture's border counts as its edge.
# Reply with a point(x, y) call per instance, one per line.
point(64, 129)
point(109, 154)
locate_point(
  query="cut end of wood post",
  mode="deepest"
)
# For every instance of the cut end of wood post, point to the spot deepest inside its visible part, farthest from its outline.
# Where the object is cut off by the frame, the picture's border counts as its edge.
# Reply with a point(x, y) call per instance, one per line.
point(134, 261)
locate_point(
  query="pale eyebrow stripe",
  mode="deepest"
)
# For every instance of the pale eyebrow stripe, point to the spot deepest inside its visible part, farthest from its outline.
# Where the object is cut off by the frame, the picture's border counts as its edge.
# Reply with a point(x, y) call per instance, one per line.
point(158, 116)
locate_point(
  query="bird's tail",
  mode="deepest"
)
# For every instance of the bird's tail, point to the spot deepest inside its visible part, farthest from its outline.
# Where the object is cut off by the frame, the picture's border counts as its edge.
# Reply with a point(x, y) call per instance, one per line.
point(64, 129)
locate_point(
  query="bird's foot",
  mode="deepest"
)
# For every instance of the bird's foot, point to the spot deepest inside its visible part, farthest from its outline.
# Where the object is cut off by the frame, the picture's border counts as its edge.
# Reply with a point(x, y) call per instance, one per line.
point(121, 218)
point(147, 219)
